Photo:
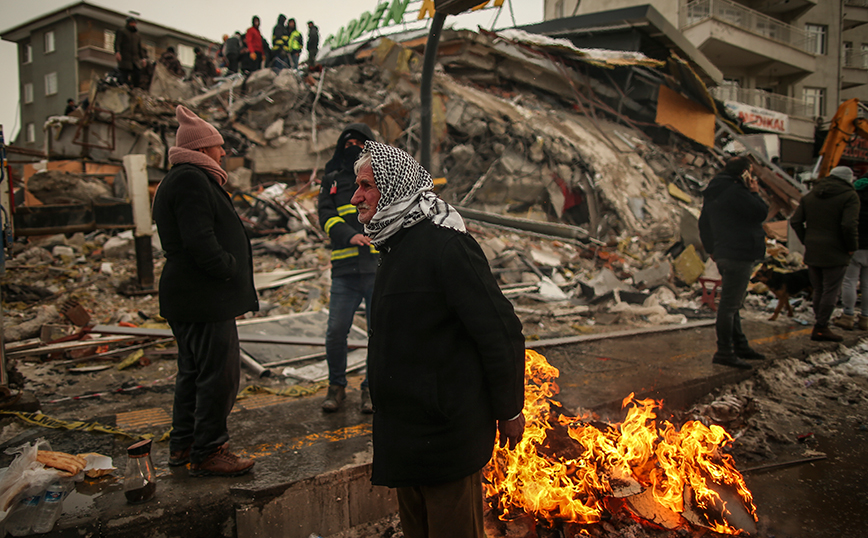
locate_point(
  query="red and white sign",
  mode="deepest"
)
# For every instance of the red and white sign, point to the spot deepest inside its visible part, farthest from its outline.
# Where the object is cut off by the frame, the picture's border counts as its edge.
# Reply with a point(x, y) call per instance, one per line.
point(758, 118)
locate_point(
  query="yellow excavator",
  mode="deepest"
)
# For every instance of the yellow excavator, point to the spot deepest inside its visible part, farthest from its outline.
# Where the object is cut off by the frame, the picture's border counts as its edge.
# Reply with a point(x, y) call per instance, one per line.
point(845, 127)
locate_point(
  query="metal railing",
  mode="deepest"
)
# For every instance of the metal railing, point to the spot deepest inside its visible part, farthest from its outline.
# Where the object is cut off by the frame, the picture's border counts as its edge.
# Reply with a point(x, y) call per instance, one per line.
point(747, 19)
point(763, 99)
point(856, 3)
point(855, 59)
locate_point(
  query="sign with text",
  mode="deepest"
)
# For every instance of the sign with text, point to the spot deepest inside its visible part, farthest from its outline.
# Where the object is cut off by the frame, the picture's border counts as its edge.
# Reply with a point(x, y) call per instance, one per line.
point(759, 118)
point(856, 150)
point(388, 13)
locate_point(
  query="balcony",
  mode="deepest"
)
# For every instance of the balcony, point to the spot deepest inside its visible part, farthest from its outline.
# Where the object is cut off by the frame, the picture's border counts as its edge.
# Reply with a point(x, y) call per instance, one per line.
point(763, 99)
point(855, 13)
point(854, 70)
point(735, 37)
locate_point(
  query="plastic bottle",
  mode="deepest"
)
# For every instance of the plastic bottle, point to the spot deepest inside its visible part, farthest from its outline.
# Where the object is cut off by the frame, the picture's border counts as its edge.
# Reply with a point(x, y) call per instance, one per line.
point(49, 511)
point(20, 522)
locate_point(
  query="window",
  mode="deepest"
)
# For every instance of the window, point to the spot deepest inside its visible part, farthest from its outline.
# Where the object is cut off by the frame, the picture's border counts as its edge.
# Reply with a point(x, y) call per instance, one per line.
point(864, 55)
point(559, 9)
point(815, 100)
point(30, 137)
point(28, 93)
point(51, 84)
point(847, 54)
point(816, 38)
point(27, 53)
point(108, 37)
point(185, 55)
point(49, 41)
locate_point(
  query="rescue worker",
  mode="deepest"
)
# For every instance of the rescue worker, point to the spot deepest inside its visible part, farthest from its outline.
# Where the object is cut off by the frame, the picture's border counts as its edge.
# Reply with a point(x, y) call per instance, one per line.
point(353, 260)
point(312, 43)
point(253, 41)
point(232, 52)
point(170, 61)
point(204, 67)
point(280, 44)
point(295, 43)
point(129, 53)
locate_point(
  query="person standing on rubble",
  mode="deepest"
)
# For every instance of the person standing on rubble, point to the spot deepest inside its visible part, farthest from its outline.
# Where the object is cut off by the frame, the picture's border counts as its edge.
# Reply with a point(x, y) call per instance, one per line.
point(295, 43)
point(232, 51)
point(731, 231)
point(129, 53)
point(253, 41)
point(353, 260)
point(312, 43)
point(827, 223)
point(204, 66)
point(206, 283)
point(445, 351)
point(280, 44)
point(170, 61)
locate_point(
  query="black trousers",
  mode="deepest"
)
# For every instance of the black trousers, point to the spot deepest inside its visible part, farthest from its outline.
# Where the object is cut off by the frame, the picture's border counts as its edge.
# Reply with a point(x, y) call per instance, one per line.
point(826, 282)
point(209, 370)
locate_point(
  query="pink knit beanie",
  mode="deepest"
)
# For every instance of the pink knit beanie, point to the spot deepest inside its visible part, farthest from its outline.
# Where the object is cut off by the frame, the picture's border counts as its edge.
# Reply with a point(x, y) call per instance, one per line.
point(194, 132)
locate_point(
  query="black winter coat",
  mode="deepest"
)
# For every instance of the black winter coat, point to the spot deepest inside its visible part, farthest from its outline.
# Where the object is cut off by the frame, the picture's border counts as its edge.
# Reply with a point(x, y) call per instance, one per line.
point(731, 221)
point(445, 358)
point(208, 274)
point(827, 223)
point(863, 218)
point(129, 43)
point(337, 216)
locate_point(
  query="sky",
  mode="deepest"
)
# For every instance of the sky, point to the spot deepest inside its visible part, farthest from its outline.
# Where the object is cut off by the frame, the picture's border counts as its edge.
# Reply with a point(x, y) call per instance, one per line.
point(214, 18)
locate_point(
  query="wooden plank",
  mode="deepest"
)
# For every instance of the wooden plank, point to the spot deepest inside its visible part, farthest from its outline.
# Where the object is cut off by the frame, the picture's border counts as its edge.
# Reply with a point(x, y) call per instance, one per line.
point(242, 337)
point(617, 334)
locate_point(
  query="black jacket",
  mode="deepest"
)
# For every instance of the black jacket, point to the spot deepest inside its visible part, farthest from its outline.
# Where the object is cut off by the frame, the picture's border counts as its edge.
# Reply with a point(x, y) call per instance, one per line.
point(337, 216)
point(208, 274)
point(445, 358)
point(730, 224)
point(863, 218)
point(129, 44)
point(827, 223)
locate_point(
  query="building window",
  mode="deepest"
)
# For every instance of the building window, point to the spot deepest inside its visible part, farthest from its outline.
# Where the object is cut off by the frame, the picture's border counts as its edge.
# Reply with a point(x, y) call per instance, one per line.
point(185, 55)
point(816, 38)
point(108, 37)
point(28, 93)
point(815, 100)
point(847, 54)
point(51, 84)
point(559, 9)
point(864, 55)
point(30, 137)
point(49, 41)
point(27, 53)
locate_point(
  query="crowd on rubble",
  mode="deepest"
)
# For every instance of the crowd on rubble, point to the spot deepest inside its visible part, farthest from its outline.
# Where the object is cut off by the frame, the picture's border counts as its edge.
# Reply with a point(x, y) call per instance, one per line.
point(239, 53)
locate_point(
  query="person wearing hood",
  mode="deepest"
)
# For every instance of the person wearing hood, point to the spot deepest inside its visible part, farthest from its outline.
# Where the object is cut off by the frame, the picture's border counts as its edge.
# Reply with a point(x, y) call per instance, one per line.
point(280, 42)
point(130, 53)
point(353, 260)
point(827, 223)
point(295, 43)
point(446, 354)
point(731, 231)
point(857, 270)
point(253, 43)
point(206, 283)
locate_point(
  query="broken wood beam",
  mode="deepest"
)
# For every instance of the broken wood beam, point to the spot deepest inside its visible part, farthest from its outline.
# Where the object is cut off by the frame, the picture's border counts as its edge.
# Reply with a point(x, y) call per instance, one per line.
point(617, 334)
point(551, 229)
point(242, 337)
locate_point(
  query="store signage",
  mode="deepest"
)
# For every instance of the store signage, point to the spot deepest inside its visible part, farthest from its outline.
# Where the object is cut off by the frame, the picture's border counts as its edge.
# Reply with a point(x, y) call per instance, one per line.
point(387, 13)
point(759, 118)
point(856, 150)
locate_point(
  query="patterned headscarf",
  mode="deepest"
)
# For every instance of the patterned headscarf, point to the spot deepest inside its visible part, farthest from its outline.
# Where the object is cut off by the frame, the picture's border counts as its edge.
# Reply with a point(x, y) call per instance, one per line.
point(406, 195)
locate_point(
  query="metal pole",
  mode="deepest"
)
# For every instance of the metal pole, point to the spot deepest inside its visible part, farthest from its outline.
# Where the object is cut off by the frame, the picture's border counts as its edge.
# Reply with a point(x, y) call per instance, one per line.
point(427, 82)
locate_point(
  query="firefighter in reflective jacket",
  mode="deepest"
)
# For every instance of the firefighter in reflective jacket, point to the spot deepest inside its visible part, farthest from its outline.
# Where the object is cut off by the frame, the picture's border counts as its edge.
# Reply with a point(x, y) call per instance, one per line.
point(295, 43)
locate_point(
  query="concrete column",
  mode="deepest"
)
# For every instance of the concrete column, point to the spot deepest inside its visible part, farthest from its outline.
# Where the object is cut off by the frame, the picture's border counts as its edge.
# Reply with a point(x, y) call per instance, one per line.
point(136, 170)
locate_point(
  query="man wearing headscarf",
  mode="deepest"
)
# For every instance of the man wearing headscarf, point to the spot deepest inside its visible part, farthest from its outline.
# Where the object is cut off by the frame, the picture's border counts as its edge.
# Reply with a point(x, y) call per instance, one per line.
point(353, 260)
point(206, 283)
point(445, 350)
point(731, 231)
point(827, 223)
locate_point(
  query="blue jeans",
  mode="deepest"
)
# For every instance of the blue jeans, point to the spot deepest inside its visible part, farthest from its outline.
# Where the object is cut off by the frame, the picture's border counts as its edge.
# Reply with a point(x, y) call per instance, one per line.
point(346, 295)
point(734, 276)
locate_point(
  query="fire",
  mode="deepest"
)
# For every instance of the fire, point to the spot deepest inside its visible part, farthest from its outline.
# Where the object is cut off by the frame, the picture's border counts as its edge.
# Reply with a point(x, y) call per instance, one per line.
point(566, 467)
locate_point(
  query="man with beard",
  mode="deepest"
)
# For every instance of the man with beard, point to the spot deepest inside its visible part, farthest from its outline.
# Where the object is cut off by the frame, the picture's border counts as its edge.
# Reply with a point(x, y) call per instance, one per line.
point(353, 259)
point(129, 53)
point(206, 283)
point(445, 350)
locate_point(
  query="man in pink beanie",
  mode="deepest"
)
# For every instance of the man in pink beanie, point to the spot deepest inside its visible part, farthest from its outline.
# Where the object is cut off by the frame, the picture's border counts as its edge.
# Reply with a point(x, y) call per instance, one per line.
point(206, 283)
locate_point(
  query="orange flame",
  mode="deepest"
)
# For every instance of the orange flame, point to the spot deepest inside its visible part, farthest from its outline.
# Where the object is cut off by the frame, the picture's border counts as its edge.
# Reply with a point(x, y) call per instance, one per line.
point(564, 468)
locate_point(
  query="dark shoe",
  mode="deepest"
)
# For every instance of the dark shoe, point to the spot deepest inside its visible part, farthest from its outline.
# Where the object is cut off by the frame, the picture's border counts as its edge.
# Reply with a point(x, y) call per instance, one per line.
point(222, 463)
point(367, 407)
point(730, 360)
point(334, 398)
point(179, 457)
point(825, 334)
point(749, 354)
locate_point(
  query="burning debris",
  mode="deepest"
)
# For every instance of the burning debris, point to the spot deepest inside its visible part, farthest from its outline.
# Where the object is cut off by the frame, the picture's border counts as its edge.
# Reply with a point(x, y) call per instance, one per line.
point(570, 470)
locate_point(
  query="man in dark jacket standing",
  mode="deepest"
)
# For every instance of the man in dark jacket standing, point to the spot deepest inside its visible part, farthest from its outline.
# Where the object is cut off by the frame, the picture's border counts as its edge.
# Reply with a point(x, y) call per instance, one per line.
point(129, 53)
point(354, 260)
point(232, 51)
point(206, 283)
point(170, 61)
point(730, 227)
point(445, 351)
point(827, 223)
point(312, 43)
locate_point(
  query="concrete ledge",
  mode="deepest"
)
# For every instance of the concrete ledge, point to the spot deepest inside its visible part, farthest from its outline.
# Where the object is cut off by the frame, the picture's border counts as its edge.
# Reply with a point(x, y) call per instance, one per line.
point(324, 505)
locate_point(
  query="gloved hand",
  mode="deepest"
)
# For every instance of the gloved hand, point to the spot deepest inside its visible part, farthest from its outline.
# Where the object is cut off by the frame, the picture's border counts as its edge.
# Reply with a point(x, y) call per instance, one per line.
point(252, 55)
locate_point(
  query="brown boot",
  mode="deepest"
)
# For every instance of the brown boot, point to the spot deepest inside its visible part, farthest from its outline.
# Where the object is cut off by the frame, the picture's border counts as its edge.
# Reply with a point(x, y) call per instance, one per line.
point(179, 457)
point(863, 323)
point(334, 398)
point(222, 463)
point(846, 321)
point(367, 407)
point(825, 334)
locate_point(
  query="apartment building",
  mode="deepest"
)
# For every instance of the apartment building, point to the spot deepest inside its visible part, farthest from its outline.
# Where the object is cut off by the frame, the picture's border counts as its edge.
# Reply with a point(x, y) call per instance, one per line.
point(62, 52)
point(788, 63)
